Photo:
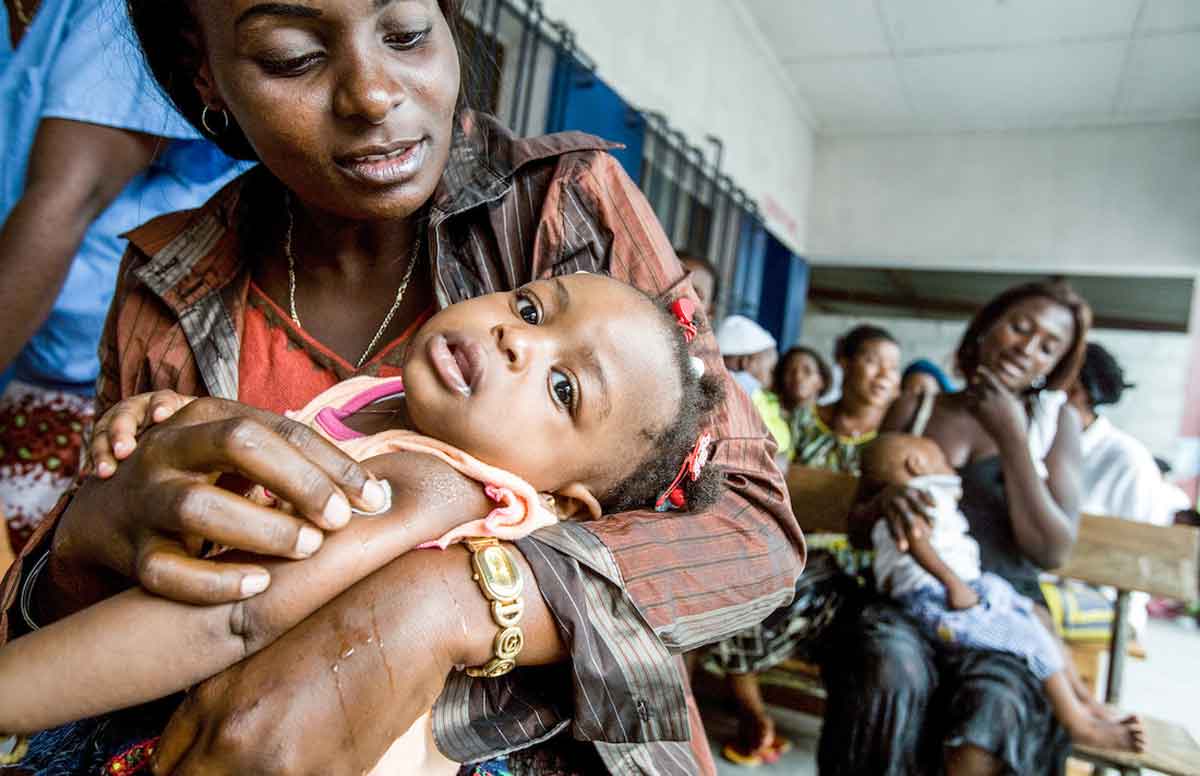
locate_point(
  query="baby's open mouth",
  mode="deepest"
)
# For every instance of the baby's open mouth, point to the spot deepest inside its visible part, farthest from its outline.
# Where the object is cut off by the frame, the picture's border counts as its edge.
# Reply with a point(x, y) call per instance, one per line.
point(458, 361)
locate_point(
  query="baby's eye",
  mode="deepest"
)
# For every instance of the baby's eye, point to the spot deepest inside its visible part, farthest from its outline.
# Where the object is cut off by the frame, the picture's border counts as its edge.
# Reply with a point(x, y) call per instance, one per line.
point(528, 310)
point(564, 391)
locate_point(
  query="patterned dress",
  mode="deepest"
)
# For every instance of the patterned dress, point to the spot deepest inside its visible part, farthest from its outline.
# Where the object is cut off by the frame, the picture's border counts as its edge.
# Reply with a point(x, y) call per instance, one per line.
point(829, 578)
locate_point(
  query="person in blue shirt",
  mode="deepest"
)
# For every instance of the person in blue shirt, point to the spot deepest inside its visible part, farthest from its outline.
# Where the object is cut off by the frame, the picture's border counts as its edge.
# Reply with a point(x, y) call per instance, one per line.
point(89, 148)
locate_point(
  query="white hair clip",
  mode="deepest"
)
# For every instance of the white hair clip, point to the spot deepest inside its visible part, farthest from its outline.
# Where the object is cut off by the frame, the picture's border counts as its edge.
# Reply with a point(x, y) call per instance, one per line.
point(697, 365)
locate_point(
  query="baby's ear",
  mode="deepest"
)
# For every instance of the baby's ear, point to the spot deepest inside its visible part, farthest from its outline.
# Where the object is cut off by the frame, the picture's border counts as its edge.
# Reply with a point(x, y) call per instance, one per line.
point(576, 502)
point(912, 463)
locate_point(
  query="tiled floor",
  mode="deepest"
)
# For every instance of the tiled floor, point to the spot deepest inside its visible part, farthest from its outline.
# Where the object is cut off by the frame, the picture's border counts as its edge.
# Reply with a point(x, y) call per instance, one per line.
point(1166, 685)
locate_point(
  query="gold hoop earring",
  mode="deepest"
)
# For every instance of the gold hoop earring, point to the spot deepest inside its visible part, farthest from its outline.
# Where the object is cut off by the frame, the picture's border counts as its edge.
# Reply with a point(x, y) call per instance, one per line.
point(209, 129)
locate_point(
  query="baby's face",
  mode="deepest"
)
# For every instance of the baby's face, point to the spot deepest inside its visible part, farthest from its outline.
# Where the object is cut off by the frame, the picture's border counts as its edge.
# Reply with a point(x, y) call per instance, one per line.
point(556, 382)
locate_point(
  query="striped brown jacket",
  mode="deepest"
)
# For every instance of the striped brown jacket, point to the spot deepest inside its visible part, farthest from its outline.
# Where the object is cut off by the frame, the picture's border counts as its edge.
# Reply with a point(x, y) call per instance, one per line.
point(628, 591)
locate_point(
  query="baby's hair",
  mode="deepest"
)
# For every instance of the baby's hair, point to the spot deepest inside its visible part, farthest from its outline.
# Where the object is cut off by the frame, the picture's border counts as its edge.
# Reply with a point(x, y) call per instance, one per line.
point(1101, 376)
point(670, 445)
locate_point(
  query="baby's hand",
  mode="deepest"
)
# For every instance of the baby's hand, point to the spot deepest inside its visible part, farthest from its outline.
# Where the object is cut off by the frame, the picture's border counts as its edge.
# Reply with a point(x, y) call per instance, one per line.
point(114, 436)
point(960, 597)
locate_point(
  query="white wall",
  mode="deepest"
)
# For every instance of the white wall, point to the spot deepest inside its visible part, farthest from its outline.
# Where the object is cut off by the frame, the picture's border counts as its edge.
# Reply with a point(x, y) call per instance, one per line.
point(705, 65)
point(1151, 411)
point(1118, 199)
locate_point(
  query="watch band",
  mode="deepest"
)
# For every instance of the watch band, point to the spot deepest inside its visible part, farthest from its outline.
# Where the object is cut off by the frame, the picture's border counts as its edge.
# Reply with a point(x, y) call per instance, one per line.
point(501, 582)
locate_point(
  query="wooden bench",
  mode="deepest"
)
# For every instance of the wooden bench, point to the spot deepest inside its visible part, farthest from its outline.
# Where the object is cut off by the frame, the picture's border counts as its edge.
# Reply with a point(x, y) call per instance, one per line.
point(1126, 555)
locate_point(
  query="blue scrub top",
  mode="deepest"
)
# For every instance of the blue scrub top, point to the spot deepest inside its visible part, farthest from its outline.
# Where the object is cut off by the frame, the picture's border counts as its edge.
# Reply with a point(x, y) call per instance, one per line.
point(79, 60)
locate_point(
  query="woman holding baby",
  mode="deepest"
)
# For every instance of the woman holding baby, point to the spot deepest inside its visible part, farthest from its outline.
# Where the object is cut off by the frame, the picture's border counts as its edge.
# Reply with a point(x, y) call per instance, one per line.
point(379, 199)
point(900, 703)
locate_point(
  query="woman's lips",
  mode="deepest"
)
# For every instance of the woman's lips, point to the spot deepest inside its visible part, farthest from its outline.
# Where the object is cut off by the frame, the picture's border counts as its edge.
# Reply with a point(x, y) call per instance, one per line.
point(384, 165)
point(1011, 368)
point(458, 362)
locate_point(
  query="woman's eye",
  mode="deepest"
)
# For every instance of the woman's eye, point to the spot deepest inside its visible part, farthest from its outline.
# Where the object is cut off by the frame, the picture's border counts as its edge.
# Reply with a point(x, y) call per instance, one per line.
point(289, 66)
point(404, 41)
point(528, 311)
point(564, 392)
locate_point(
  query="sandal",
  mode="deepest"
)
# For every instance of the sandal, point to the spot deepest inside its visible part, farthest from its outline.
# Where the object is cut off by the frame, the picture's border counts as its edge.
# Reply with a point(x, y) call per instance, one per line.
point(778, 747)
point(749, 760)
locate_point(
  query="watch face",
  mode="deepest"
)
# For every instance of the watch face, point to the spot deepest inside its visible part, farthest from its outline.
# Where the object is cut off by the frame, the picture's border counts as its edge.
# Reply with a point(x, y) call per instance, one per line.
point(499, 574)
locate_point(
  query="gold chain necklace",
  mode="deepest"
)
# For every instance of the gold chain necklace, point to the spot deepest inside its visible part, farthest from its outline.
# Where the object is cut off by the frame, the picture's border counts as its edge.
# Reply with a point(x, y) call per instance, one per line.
point(287, 249)
point(24, 16)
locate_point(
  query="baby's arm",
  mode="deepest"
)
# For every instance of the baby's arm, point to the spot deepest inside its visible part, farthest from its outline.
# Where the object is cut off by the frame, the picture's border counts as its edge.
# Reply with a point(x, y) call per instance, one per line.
point(959, 594)
point(136, 647)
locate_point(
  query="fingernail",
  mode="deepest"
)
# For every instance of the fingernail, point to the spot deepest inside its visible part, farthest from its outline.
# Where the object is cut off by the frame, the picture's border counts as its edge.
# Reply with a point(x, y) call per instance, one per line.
point(160, 413)
point(122, 447)
point(253, 584)
point(374, 497)
point(105, 469)
point(308, 541)
point(337, 511)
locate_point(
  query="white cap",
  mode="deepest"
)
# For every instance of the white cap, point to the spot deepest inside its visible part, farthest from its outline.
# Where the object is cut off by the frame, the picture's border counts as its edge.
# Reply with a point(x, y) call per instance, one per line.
point(739, 336)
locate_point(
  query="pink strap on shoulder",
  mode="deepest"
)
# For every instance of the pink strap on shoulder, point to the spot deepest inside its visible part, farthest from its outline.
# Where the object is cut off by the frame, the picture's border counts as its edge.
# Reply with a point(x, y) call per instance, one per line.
point(519, 509)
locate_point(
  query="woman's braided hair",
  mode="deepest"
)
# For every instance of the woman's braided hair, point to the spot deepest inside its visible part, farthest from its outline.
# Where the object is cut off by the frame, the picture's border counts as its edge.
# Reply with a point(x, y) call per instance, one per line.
point(670, 445)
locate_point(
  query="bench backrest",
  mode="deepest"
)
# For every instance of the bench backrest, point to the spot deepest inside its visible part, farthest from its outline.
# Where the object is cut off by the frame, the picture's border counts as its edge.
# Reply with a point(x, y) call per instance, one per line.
point(1160, 560)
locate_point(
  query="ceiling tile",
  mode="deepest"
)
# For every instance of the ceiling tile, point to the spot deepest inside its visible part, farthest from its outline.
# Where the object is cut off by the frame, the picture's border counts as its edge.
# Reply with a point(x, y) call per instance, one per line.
point(937, 24)
point(1163, 76)
point(854, 93)
point(799, 29)
point(1166, 15)
point(1002, 89)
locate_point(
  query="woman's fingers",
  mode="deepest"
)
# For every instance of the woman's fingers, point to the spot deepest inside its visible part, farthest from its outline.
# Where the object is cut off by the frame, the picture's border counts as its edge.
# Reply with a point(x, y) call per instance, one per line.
point(176, 741)
point(250, 449)
point(908, 514)
point(244, 433)
point(164, 568)
point(364, 491)
point(231, 520)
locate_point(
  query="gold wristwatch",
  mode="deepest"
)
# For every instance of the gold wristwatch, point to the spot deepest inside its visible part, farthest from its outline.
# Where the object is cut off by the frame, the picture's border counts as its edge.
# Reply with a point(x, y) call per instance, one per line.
point(500, 581)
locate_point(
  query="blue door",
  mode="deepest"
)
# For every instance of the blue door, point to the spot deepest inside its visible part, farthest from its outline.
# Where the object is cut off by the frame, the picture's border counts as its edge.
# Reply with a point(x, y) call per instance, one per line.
point(748, 268)
point(579, 99)
point(784, 291)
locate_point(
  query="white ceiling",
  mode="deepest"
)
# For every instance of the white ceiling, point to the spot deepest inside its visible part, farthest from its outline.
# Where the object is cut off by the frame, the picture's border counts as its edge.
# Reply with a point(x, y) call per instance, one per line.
point(932, 65)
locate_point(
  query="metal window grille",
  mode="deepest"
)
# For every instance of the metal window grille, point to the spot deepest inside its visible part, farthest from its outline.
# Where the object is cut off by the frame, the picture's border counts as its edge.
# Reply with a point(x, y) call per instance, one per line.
point(512, 50)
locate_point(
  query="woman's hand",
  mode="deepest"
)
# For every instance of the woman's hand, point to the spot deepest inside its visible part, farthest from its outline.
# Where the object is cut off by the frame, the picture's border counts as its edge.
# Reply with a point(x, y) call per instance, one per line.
point(334, 692)
point(908, 512)
point(996, 407)
point(114, 436)
point(136, 521)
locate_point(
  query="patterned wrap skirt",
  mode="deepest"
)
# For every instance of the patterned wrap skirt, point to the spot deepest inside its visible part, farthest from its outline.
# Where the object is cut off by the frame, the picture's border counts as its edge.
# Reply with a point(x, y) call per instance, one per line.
point(41, 442)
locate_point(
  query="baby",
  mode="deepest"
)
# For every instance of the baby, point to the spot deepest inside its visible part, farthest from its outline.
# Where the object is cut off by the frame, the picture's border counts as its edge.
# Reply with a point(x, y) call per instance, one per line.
point(570, 397)
point(939, 582)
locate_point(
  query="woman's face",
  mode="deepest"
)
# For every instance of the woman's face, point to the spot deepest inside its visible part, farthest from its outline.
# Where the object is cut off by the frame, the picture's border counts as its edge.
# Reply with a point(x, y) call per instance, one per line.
point(349, 102)
point(1027, 341)
point(547, 381)
point(873, 373)
point(802, 382)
